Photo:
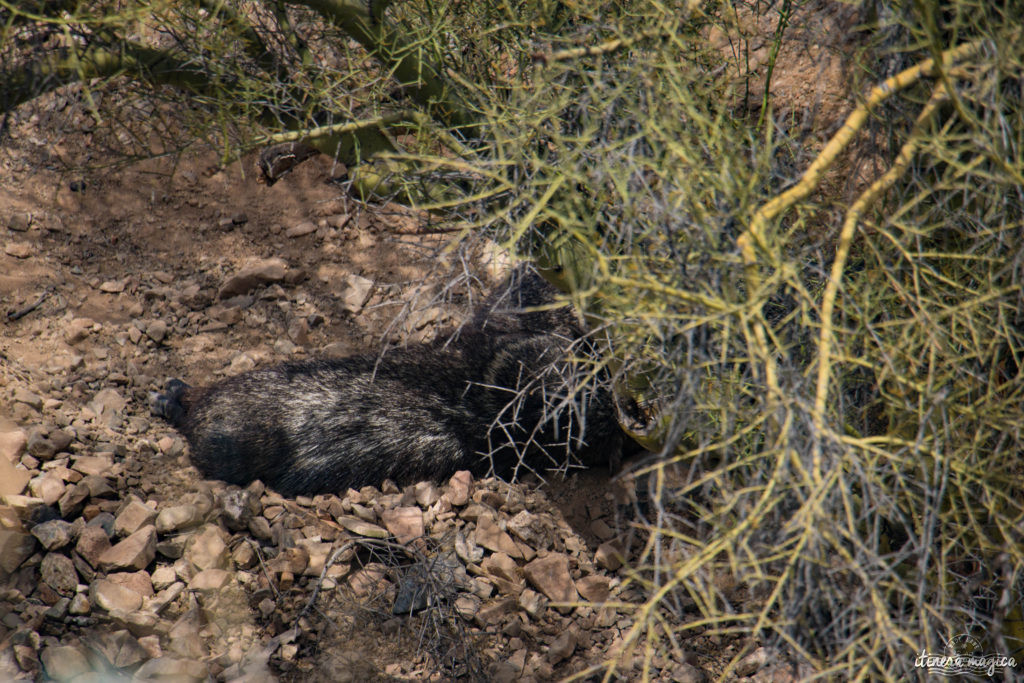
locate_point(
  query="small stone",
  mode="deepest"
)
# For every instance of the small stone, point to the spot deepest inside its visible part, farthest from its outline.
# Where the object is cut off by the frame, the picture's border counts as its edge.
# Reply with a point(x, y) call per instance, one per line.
point(58, 572)
point(300, 229)
point(601, 530)
point(122, 650)
point(41, 447)
point(356, 292)
point(139, 582)
point(107, 401)
point(244, 557)
point(533, 603)
point(594, 588)
point(73, 500)
point(22, 395)
point(489, 535)
point(550, 575)
point(133, 517)
point(562, 647)
point(12, 479)
point(151, 644)
point(460, 488)
point(171, 668)
point(467, 605)
point(501, 566)
point(527, 527)
point(177, 518)
point(466, 550)
point(686, 673)
point(494, 611)
point(362, 528)
point(752, 663)
point(110, 596)
point(64, 662)
point(157, 330)
point(134, 552)
point(113, 286)
point(93, 466)
point(15, 548)
point(18, 249)
point(92, 543)
point(210, 580)
point(404, 523)
point(20, 221)
point(49, 487)
point(53, 534)
point(78, 329)
point(368, 581)
point(426, 493)
point(26, 658)
point(163, 576)
point(609, 556)
point(338, 220)
point(206, 549)
point(13, 441)
point(79, 605)
point(250, 277)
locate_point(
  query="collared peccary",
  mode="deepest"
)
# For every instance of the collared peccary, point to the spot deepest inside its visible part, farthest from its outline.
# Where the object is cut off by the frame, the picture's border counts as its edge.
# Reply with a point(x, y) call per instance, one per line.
point(500, 396)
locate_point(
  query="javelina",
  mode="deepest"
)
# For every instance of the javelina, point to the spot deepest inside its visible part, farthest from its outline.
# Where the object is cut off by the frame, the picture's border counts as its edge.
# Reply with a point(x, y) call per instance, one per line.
point(497, 397)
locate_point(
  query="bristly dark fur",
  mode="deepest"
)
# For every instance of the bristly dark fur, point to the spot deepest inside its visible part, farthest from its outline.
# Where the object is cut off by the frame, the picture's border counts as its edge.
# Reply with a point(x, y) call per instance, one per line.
point(498, 397)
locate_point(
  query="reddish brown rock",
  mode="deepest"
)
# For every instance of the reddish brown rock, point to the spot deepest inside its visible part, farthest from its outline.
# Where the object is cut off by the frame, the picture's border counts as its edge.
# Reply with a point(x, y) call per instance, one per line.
point(550, 575)
point(404, 523)
point(134, 552)
point(111, 597)
point(206, 549)
point(609, 556)
point(489, 535)
point(594, 588)
point(92, 543)
point(133, 517)
point(460, 488)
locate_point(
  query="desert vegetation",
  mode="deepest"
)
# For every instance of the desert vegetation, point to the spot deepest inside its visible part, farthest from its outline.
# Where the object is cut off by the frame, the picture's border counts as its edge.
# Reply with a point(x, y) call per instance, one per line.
point(816, 302)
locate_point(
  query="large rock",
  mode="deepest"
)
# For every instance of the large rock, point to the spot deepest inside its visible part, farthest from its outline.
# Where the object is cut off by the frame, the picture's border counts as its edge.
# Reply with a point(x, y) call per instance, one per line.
point(550, 575)
point(178, 517)
point(112, 596)
point(207, 549)
point(362, 528)
point(13, 441)
point(405, 523)
point(356, 292)
point(134, 552)
point(92, 543)
point(15, 547)
point(252, 276)
point(12, 479)
point(594, 588)
point(64, 662)
point(133, 517)
point(58, 572)
point(170, 668)
point(460, 488)
point(489, 535)
point(54, 534)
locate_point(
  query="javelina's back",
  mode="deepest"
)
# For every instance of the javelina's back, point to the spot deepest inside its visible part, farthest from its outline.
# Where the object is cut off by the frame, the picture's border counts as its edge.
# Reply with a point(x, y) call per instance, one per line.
point(497, 396)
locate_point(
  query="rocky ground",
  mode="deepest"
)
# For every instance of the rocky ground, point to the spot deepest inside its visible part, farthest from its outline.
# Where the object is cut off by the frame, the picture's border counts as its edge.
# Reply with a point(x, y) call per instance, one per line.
point(117, 561)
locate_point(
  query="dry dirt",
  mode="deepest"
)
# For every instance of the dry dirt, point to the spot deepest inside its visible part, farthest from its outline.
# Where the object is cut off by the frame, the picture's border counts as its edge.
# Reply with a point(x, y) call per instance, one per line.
point(111, 284)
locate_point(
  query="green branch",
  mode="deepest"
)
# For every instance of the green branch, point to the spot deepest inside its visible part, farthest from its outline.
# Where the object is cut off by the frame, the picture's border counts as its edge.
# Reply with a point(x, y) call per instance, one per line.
point(427, 87)
point(65, 66)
